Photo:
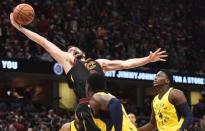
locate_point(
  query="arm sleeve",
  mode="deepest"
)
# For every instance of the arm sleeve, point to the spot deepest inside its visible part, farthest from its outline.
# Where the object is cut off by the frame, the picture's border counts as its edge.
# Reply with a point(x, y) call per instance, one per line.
point(186, 113)
point(116, 113)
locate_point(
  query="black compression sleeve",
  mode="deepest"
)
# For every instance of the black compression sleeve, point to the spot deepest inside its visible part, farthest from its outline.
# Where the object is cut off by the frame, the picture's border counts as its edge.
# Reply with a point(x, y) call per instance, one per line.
point(186, 113)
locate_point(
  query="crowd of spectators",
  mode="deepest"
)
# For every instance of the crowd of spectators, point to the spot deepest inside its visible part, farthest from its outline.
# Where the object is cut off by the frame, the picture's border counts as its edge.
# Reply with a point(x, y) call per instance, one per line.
point(29, 117)
point(113, 29)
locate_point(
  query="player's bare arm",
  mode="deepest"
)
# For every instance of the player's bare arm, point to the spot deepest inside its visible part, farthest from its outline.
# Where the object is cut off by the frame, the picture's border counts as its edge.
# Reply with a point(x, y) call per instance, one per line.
point(177, 97)
point(97, 103)
point(102, 100)
point(64, 58)
point(109, 65)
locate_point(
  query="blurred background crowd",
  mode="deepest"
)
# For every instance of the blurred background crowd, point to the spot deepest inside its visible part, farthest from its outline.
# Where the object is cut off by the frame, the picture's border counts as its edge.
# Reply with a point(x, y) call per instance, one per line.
point(112, 29)
point(29, 117)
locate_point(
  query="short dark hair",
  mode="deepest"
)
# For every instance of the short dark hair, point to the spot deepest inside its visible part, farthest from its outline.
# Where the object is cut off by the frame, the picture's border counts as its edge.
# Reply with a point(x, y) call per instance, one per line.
point(168, 74)
point(97, 82)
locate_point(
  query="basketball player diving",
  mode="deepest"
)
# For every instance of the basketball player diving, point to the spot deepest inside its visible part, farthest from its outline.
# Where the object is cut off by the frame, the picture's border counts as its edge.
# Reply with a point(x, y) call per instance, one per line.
point(170, 110)
point(78, 68)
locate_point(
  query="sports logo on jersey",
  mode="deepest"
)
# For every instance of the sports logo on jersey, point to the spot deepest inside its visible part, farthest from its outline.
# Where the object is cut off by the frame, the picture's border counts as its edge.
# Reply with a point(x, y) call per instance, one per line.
point(58, 69)
point(163, 119)
point(90, 65)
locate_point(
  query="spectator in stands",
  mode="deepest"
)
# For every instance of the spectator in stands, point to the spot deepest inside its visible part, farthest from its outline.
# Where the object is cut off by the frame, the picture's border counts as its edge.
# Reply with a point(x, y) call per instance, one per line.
point(31, 120)
point(202, 123)
point(198, 109)
point(103, 29)
point(133, 118)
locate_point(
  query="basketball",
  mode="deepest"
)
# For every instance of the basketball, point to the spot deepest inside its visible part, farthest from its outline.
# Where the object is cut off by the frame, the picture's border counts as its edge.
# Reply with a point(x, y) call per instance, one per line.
point(23, 14)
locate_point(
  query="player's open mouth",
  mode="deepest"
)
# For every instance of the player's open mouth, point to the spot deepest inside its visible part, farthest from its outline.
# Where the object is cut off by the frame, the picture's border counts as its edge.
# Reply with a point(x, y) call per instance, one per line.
point(154, 82)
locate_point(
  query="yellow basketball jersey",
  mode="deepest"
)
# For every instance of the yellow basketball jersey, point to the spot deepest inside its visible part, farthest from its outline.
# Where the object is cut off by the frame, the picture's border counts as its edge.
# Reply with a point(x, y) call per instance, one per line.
point(126, 124)
point(165, 114)
point(100, 124)
point(72, 126)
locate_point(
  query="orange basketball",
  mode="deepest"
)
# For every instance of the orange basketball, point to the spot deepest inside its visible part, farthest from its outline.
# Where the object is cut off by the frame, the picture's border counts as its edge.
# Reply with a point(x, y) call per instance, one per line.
point(23, 14)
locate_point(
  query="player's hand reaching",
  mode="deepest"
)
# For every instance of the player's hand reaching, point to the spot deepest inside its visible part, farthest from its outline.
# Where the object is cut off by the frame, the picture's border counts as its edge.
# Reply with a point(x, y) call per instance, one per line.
point(17, 26)
point(158, 55)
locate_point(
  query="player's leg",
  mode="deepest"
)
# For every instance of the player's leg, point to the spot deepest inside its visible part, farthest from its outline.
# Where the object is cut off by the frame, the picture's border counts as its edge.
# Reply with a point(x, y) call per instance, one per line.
point(85, 118)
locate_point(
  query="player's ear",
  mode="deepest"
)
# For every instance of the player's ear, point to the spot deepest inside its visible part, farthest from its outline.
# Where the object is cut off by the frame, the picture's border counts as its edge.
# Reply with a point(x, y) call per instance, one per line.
point(167, 81)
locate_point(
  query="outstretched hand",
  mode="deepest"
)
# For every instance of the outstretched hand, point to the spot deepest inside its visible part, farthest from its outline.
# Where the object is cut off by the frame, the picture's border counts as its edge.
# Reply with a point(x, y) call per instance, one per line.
point(17, 26)
point(158, 55)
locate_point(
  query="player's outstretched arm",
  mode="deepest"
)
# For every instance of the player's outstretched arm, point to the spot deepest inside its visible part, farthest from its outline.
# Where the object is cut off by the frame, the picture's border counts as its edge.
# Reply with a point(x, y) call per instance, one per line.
point(60, 56)
point(109, 65)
